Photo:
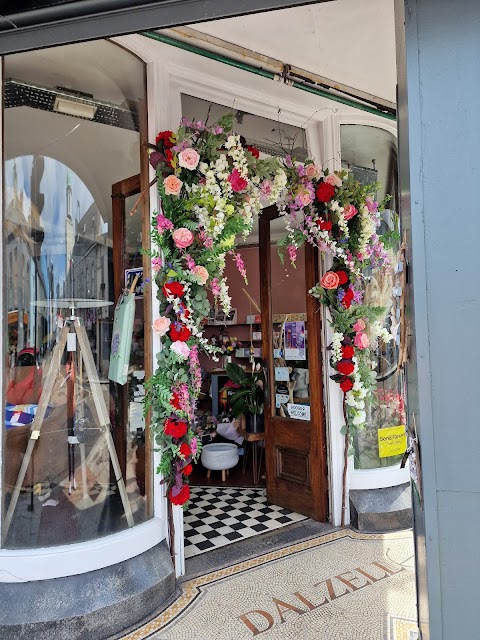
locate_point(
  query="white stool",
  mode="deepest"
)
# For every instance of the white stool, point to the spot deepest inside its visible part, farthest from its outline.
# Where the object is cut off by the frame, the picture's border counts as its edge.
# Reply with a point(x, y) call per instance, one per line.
point(219, 456)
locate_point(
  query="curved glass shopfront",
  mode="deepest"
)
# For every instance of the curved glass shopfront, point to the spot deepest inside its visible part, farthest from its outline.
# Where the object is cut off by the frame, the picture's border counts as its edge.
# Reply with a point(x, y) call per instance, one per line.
point(76, 463)
point(371, 153)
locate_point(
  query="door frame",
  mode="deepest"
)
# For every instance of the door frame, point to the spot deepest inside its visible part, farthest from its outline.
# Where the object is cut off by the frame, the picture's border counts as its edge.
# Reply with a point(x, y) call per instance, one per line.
point(316, 461)
point(120, 192)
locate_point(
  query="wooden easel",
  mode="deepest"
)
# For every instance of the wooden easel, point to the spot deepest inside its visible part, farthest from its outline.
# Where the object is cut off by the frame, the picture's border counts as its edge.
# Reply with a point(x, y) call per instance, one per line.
point(100, 408)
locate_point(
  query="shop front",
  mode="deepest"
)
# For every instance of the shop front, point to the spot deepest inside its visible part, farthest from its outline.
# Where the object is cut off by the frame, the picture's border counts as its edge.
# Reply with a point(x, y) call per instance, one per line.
point(79, 488)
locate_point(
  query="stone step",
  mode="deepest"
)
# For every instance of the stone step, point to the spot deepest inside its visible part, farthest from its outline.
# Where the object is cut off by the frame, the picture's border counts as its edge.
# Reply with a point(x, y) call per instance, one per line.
point(381, 509)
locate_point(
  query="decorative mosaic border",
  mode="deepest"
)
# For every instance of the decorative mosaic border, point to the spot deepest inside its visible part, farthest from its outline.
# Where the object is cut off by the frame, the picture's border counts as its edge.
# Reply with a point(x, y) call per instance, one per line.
point(191, 588)
point(402, 629)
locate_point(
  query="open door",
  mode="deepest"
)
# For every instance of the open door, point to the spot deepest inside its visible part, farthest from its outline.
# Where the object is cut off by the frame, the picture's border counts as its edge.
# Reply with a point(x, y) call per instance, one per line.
point(126, 410)
point(295, 442)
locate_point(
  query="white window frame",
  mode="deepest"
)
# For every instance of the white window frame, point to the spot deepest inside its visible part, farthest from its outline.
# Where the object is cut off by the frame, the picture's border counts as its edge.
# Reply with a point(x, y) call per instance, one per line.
point(44, 563)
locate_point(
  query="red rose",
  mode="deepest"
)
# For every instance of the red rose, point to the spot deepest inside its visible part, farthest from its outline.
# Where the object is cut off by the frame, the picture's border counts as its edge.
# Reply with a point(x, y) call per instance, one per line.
point(169, 157)
point(325, 192)
point(342, 276)
point(345, 367)
point(187, 470)
point(348, 352)
point(175, 428)
point(347, 299)
point(325, 225)
point(182, 333)
point(182, 496)
point(165, 137)
point(185, 450)
point(346, 384)
point(254, 151)
point(173, 289)
point(175, 401)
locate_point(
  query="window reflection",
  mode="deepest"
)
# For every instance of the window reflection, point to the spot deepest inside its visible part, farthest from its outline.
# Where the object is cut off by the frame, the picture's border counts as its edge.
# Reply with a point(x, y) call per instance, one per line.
point(84, 476)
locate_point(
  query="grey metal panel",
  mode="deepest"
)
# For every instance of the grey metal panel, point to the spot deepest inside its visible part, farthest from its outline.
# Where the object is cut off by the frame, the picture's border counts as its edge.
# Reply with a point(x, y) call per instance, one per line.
point(90, 19)
point(408, 151)
point(440, 205)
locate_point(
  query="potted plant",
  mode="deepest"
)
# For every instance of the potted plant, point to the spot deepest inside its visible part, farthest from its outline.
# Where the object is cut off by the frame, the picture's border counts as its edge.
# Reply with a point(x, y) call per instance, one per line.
point(248, 396)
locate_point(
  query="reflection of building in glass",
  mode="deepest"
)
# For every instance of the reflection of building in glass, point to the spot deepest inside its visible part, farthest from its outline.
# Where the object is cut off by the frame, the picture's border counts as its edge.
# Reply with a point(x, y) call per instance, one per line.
point(69, 233)
point(24, 234)
point(87, 274)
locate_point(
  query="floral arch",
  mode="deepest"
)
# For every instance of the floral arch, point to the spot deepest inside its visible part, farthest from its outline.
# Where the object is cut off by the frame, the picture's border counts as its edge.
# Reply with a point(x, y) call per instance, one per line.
point(211, 187)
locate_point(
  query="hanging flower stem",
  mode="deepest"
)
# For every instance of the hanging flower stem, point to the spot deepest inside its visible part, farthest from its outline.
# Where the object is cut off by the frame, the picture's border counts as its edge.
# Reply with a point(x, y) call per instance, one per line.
point(346, 447)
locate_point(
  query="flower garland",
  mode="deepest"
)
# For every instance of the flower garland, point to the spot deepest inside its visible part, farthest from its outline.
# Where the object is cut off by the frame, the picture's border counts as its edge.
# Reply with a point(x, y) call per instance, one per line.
point(212, 186)
point(342, 221)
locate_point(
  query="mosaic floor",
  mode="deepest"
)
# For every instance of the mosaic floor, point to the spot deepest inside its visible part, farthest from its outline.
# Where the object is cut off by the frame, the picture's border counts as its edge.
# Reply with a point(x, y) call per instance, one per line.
point(340, 586)
point(222, 515)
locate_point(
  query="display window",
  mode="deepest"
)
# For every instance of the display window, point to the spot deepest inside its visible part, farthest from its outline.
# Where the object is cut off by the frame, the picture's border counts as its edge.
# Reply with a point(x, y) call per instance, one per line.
point(76, 461)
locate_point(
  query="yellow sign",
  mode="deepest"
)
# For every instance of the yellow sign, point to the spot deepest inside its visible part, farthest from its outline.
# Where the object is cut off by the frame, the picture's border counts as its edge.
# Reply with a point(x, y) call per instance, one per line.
point(392, 441)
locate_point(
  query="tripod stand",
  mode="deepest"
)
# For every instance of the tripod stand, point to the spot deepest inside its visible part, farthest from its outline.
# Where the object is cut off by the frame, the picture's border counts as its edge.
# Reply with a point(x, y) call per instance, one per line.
point(71, 332)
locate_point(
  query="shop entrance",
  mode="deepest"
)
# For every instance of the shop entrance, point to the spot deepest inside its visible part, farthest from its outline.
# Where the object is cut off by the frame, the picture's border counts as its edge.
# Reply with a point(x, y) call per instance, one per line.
point(274, 334)
point(295, 447)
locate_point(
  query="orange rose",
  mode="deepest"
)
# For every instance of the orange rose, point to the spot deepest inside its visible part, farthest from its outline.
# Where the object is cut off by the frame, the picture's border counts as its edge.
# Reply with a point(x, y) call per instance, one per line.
point(172, 186)
point(202, 273)
point(330, 280)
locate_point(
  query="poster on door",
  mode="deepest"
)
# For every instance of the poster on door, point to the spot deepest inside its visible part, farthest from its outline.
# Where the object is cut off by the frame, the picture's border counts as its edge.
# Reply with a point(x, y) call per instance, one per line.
point(294, 340)
point(130, 277)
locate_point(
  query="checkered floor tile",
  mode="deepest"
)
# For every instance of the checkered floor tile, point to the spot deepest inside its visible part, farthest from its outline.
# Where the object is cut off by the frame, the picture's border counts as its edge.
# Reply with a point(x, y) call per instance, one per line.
point(218, 516)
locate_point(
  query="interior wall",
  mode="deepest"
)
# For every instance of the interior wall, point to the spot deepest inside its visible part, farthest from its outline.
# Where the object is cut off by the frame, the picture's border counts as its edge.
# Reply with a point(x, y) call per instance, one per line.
point(286, 298)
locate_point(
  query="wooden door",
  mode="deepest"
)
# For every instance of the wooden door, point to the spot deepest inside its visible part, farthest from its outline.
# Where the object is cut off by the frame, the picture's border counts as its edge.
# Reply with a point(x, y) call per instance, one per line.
point(128, 235)
point(295, 442)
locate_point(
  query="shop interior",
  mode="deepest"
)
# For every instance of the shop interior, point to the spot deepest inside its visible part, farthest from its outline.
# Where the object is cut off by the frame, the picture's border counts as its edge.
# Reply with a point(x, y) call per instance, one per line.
point(230, 504)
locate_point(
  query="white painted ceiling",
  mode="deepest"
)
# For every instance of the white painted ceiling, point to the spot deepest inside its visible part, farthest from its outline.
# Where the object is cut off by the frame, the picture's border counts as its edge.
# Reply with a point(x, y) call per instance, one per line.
point(347, 41)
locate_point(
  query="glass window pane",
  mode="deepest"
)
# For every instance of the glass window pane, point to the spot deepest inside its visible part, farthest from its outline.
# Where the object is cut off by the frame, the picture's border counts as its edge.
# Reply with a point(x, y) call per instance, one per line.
point(290, 333)
point(64, 149)
point(371, 153)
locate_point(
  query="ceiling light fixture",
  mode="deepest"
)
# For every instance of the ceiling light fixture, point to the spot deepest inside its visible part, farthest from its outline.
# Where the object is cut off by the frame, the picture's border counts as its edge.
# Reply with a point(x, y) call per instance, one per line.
point(74, 108)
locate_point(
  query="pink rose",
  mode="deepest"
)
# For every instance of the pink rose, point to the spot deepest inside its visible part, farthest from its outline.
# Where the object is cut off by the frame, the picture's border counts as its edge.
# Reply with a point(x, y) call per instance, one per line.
point(182, 237)
point(172, 186)
point(359, 325)
point(238, 182)
point(157, 264)
point(312, 171)
point(180, 348)
point(333, 179)
point(305, 198)
point(361, 340)
point(349, 211)
point(202, 273)
point(330, 280)
point(188, 159)
point(161, 325)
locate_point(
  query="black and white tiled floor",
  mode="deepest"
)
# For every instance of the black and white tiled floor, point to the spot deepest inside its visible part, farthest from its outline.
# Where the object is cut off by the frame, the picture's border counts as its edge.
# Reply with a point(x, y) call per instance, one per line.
point(218, 516)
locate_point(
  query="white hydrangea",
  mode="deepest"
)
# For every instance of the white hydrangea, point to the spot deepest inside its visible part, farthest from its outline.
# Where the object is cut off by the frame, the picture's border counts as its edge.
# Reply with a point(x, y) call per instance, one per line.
point(337, 339)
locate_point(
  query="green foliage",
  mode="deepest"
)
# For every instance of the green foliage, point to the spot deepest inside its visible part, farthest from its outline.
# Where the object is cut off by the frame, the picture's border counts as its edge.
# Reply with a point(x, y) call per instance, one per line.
point(249, 397)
